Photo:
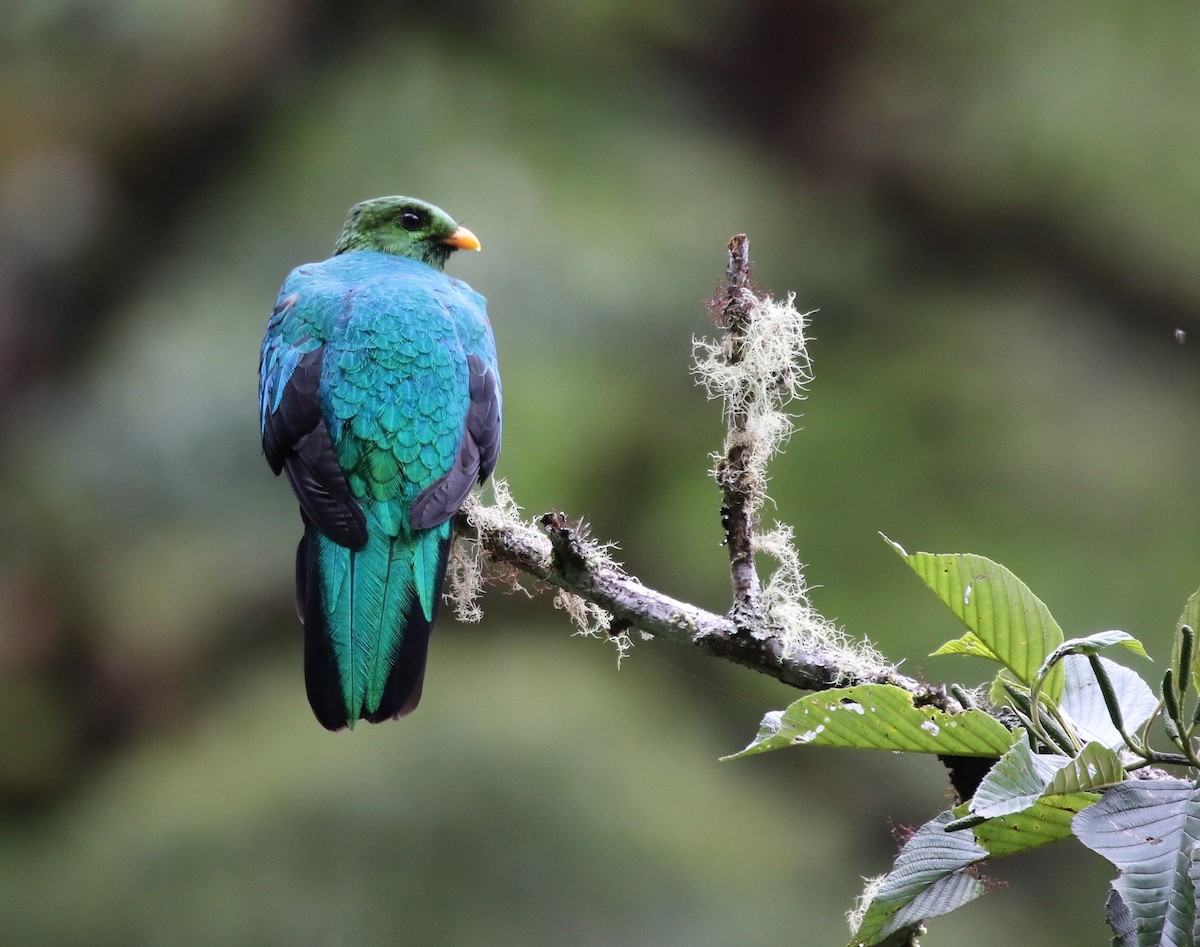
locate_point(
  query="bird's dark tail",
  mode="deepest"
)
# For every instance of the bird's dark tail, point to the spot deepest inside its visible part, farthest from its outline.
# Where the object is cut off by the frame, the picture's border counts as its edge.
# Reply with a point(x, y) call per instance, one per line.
point(367, 618)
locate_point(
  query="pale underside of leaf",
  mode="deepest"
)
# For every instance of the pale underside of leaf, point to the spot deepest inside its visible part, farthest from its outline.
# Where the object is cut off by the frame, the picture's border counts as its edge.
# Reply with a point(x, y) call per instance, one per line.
point(1092, 644)
point(1016, 782)
point(1096, 767)
point(927, 880)
point(1151, 832)
point(1082, 702)
point(1021, 777)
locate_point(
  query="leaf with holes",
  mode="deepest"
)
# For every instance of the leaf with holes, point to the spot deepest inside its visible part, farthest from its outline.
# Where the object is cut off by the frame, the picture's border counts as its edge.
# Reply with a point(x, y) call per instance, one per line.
point(1047, 820)
point(879, 717)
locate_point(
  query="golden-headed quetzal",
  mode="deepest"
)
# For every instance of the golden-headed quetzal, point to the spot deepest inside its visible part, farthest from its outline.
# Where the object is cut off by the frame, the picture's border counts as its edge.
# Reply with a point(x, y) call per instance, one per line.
point(380, 401)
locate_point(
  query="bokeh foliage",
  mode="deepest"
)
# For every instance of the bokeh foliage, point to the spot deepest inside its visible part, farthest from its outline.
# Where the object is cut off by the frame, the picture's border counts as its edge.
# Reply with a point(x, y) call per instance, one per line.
point(993, 210)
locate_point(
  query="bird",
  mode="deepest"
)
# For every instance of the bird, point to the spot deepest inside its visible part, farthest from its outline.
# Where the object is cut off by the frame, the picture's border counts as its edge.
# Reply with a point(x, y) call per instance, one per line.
point(380, 402)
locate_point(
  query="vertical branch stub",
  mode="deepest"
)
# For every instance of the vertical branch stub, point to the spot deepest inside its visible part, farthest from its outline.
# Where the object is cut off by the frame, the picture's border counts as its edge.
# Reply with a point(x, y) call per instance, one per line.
point(737, 279)
point(733, 475)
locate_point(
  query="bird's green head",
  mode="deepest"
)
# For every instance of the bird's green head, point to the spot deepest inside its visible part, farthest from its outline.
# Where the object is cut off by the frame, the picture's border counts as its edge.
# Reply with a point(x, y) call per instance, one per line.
point(404, 226)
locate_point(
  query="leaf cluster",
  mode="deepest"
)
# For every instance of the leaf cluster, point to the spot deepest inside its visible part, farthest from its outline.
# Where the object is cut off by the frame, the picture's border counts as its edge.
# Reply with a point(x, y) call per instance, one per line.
point(1069, 731)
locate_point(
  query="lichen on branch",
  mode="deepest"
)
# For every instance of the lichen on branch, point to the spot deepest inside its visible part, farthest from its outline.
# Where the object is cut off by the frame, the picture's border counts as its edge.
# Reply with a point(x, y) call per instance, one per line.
point(758, 366)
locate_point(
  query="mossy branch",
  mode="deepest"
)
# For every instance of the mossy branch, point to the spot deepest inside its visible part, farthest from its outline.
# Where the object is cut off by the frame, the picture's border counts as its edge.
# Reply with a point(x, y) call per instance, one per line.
point(757, 366)
point(555, 553)
point(742, 483)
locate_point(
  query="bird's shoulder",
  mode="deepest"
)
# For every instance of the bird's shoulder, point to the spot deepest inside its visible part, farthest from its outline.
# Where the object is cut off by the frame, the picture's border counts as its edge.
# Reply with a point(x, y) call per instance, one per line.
point(369, 291)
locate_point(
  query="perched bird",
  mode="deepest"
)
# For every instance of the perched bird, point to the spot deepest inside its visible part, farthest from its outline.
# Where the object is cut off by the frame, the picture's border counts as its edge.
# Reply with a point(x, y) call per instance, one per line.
point(380, 402)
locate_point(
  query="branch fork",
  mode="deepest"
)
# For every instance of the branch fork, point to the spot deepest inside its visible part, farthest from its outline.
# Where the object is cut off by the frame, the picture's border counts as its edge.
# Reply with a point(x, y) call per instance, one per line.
point(754, 373)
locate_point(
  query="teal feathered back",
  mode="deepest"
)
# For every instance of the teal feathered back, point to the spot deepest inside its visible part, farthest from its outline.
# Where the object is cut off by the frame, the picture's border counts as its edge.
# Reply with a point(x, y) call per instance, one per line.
point(380, 400)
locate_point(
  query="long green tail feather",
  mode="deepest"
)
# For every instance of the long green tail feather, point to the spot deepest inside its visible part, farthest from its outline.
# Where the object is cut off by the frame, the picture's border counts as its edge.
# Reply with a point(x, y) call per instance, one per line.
point(368, 598)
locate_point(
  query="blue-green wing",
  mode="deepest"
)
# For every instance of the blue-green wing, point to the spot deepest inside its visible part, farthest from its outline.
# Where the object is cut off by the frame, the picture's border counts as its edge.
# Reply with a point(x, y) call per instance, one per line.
point(406, 402)
point(479, 447)
point(295, 435)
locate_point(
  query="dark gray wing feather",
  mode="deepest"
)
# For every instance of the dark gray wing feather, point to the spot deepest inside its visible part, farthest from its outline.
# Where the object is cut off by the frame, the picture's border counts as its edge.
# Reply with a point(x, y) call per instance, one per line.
point(297, 443)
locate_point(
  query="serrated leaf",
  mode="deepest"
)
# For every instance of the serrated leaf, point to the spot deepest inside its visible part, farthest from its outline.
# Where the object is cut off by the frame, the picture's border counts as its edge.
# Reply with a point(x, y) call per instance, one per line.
point(1096, 767)
point(1047, 820)
point(1021, 777)
point(927, 880)
point(1083, 704)
point(1016, 782)
point(969, 645)
point(1191, 618)
point(1151, 832)
point(879, 717)
point(997, 695)
point(1116, 912)
point(1093, 644)
point(997, 607)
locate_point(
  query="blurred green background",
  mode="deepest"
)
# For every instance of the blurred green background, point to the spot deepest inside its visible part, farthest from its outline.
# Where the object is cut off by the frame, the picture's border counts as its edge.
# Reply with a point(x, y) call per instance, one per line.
point(994, 208)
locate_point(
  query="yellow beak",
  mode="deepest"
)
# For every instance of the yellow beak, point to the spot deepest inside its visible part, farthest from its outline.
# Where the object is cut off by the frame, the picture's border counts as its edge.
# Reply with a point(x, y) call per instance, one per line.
point(462, 239)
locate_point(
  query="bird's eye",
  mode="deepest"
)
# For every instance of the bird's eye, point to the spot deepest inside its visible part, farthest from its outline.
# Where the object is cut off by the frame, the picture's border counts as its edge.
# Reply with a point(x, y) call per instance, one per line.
point(410, 220)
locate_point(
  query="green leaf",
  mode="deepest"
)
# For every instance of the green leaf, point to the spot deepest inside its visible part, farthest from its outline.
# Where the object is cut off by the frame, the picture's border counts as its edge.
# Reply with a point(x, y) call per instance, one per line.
point(997, 607)
point(927, 880)
point(1150, 831)
point(879, 717)
point(1022, 777)
point(970, 645)
point(1016, 782)
point(1096, 767)
point(1191, 618)
point(1083, 704)
point(1092, 644)
point(1047, 820)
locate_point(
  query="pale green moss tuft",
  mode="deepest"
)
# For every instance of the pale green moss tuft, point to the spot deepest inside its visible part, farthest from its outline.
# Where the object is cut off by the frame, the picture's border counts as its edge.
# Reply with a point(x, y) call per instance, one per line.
point(854, 917)
point(791, 616)
point(464, 571)
point(464, 568)
point(592, 621)
point(756, 375)
point(464, 580)
point(502, 514)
